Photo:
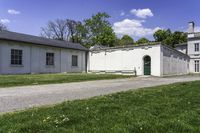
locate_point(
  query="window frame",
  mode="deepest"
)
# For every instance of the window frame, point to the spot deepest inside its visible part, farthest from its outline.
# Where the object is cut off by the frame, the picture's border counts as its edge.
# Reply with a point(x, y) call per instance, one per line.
point(16, 57)
point(76, 63)
point(50, 59)
point(196, 47)
point(197, 66)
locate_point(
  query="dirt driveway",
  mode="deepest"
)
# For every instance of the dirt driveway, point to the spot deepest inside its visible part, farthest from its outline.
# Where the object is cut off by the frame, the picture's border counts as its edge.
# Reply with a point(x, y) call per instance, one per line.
point(19, 98)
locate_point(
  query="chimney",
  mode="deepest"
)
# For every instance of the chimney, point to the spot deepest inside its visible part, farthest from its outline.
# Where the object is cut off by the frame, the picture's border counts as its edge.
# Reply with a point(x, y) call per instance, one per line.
point(191, 27)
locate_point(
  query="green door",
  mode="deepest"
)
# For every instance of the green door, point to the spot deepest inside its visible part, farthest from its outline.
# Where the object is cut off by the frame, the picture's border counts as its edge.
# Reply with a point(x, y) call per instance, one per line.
point(147, 65)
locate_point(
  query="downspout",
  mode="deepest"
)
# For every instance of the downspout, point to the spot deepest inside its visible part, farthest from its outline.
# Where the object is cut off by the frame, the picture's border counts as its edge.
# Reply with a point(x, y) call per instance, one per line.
point(30, 59)
point(86, 61)
point(60, 60)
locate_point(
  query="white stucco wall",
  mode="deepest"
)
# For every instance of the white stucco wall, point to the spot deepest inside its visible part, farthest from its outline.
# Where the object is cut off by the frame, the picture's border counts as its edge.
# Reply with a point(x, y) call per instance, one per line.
point(0, 58)
point(193, 55)
point(34, 59)
point(125, 59)
point(174, 62)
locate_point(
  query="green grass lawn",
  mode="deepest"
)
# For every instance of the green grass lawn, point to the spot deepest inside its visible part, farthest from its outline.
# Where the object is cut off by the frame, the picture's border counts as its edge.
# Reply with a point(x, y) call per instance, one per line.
point(165, 109)
point(35, 79)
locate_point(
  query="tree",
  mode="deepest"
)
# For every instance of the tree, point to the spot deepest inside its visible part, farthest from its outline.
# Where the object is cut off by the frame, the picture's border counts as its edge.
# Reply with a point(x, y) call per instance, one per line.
point(126, 40)
point(100, 31)
point(69, 30)
point(142, 41)
point(3, 27)
point(56, 30)
point(179, 37)
point(161, 35)
point(94, 31)
point(81, 33)
point(76, 31)
point(170, 38)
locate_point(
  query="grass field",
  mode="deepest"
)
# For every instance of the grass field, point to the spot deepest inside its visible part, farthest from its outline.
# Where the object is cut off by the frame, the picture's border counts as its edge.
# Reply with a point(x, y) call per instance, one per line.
point(36, 79)
point(165, 109)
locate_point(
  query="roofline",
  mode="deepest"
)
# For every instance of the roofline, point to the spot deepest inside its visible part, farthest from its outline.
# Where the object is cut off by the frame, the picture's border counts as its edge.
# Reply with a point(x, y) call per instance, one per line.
point(181, 44)
point(128, 46)
point(158, 44)
point(45, 44)
point(175, 50)
point(42, 44)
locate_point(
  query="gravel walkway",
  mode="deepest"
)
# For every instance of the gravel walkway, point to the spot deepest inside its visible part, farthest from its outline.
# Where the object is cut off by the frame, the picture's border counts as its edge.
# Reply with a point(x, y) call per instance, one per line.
point(19, 98)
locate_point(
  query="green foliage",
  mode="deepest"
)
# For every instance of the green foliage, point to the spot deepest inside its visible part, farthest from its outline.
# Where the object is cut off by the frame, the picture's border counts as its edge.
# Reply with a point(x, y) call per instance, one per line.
point(100, 31)
point(142, 41)
point(169, 38)
point(80, 33)
point(126, 40)
point(36, 79)
point(179, 37)
point(161, 35)
point(164, 109)
point(96, 30)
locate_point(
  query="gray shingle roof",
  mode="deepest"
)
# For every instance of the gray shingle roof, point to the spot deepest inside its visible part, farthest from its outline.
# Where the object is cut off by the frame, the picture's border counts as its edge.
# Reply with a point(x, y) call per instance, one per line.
point(13, 36)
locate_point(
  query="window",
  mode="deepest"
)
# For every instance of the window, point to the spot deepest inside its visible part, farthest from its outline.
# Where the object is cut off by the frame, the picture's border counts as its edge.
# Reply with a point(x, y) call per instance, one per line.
point(196, 62)
point(196, 47)
point(16, 57)
point(49, 59)
point(74, 60)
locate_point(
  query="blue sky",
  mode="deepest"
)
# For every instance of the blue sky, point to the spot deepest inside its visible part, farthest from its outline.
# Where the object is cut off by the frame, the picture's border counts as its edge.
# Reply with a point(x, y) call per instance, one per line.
point(137, 18)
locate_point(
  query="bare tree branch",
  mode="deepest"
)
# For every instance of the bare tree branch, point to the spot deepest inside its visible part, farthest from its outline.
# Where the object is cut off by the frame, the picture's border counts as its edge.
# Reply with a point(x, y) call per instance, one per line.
point(55, 30)
point(3, 27)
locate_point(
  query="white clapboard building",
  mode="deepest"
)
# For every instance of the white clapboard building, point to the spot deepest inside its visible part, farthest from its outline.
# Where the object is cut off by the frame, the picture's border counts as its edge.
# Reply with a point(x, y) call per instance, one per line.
point(20, 54)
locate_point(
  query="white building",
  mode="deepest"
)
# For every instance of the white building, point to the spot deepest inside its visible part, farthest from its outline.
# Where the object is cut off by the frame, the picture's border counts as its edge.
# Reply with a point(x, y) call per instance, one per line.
point(192, 48)
point(156, 60)
point(20, 53)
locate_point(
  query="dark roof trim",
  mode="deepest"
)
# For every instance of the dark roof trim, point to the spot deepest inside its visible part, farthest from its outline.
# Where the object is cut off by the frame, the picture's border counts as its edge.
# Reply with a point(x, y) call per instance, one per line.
point(13, 36)
point(194, 39)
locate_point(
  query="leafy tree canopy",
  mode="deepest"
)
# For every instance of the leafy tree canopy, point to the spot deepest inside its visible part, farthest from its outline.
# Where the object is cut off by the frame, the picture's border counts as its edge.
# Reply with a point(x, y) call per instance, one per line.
point(126, 40)
point(142, 41)
point(170, 38)
point(100, 31)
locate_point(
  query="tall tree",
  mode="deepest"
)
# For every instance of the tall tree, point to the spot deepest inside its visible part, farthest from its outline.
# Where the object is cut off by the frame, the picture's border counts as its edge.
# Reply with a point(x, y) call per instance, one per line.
point(56, 30)
point(81, 33)
point(3, 27)
point(170, 38)
point(161, 35)
point(142, 41)
point(179, 37)
point(126, 40)
point(72, 29)
point(100, 31)
point(69, 30)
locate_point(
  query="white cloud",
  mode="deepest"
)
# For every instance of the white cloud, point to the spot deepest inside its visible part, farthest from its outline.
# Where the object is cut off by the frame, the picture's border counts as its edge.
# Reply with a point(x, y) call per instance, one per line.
point(133, 28)
point(4, 21)
point(142, 13)
point(122, 13)
point(13, 12)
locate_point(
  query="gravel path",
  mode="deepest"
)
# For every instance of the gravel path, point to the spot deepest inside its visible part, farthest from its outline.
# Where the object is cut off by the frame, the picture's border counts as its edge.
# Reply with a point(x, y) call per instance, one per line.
point(19, 98)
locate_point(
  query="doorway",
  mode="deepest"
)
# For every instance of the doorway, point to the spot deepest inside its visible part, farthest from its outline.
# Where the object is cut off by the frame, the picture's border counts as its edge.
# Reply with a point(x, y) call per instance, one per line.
point(147, 65)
